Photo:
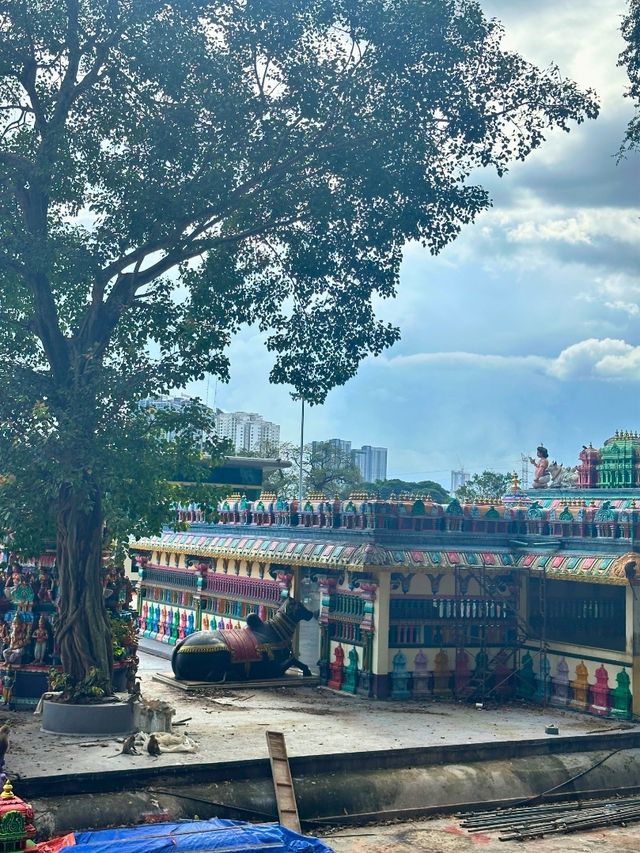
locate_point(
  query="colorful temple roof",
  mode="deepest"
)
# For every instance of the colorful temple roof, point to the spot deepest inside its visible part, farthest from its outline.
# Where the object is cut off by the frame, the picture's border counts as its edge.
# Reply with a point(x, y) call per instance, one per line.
point(291, 550)
point(582, 530)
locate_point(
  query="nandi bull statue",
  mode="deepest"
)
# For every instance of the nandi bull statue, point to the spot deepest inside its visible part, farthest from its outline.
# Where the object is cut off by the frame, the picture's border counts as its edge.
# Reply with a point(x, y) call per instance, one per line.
point(261, 650)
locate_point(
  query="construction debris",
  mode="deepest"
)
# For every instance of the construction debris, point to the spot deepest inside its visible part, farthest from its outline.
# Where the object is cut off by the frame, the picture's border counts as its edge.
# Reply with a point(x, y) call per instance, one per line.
point(521, 824)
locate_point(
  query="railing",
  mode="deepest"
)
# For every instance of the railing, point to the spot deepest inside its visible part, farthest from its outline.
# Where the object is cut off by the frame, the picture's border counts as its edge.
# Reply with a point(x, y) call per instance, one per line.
point(173, 577)
point(584, 525)
point(244, 588)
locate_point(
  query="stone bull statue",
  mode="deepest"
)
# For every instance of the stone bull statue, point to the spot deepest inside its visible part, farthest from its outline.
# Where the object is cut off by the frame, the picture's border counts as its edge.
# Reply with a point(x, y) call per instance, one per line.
point(261, 650)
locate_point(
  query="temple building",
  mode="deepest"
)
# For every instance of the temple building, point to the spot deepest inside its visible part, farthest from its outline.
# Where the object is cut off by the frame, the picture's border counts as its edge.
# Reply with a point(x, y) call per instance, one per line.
point(536, 596)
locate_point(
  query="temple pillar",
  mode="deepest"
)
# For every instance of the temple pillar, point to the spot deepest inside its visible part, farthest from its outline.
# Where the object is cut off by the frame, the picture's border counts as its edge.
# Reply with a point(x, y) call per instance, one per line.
point(633, 629)
point(380, 650)
point(327, 591)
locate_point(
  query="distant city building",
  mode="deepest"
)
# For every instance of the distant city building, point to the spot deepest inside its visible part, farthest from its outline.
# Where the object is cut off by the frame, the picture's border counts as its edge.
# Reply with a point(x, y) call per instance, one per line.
point(371, 461)
point(176, 404)
point(458, 479)
point(163, 403)
point(341, 447)
point(248, 431)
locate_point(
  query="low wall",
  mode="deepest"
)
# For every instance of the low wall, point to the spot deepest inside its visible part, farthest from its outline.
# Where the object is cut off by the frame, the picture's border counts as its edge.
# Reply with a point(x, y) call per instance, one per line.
point(344, 788)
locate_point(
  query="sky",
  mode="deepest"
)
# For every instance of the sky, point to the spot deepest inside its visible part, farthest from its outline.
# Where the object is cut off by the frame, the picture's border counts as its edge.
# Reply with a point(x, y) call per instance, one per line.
point(527, 328)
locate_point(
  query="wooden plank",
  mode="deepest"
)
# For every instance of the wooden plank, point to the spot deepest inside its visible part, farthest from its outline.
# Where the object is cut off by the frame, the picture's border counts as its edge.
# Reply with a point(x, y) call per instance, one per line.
point(286, 681)
point(282, 781)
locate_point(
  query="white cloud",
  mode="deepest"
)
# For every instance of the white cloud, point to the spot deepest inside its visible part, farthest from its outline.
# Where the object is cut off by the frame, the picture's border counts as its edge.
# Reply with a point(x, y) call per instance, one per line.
point(630, 308)
point(619, 286)
point(543, 224)
point(466, 359)
point(594, 358)
point(579, 37)
point(625, 365)
point(584, 360)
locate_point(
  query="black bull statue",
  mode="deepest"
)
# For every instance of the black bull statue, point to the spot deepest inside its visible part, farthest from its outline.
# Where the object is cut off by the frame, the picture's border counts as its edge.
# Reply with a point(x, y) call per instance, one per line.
point(261, 650)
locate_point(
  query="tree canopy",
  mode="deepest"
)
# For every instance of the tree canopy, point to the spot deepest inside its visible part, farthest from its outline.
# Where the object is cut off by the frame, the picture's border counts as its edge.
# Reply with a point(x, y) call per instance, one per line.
point(489, 485)
point(630, 59)
point(325, 469)
point(386, 488)
point(331, 471)
point(173, 169)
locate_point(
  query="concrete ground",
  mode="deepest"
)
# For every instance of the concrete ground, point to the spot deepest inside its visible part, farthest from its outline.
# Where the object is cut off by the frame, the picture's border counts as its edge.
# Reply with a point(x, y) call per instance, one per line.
point(445, 834)
point(230, 725)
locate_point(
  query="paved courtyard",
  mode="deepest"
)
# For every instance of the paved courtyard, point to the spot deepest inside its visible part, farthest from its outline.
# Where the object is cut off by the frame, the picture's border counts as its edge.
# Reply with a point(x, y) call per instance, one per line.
point(230, 725)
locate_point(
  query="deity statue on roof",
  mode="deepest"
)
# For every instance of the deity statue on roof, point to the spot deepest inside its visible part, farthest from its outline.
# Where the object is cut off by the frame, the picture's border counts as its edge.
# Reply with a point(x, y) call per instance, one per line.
point(541, 463)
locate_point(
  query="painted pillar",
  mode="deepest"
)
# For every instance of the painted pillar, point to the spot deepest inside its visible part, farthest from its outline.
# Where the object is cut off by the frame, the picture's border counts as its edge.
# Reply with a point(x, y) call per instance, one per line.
point(633, 604)
point(523, 576)
point(368, 592)
point(327, 591)
point(380, 662)
point(295, 590)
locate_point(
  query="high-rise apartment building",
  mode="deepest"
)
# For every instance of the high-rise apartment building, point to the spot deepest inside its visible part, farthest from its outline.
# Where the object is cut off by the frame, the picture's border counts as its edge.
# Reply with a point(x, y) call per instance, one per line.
point(340, 447)
point(458, 479)
point(372, 462)
point(248, 431)
point(165, 403)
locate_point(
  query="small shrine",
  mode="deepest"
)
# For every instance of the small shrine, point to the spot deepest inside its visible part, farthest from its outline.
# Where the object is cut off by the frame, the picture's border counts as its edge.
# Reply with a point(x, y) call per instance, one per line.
point(27, 627)
point(16, 821)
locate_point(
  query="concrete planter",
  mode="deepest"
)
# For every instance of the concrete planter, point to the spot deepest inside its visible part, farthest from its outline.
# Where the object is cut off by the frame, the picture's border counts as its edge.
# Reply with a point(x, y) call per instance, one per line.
point(97, 720)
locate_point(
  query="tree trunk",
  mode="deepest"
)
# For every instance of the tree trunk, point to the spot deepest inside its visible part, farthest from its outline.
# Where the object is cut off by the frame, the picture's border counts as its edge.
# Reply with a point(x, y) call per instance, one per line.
point(83, 631)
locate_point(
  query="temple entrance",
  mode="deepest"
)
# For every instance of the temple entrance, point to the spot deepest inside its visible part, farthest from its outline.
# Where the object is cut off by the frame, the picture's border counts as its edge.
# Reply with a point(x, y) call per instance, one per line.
point(309, 632)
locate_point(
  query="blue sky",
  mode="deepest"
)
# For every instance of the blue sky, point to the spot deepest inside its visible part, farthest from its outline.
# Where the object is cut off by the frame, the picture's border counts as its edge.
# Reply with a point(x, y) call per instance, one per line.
point(527, 328)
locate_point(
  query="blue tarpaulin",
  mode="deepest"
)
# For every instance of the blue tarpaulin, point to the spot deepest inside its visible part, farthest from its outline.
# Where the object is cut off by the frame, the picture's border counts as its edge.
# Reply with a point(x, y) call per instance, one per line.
point(222, 836)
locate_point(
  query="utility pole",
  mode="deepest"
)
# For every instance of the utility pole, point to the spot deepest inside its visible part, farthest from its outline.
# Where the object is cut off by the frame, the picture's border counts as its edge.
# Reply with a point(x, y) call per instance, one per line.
point(301, 451)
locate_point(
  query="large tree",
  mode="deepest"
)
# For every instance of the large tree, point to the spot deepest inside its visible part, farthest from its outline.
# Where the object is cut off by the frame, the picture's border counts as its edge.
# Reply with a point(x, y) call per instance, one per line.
point(630, 59)
point(172, 169)
point(386, 488)
point(325, 468)
point(490, 485)
point(330, 470)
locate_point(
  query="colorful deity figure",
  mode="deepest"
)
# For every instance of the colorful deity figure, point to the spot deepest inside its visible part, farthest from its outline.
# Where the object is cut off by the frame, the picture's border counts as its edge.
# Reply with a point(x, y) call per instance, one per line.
point(400, 677)
point(8, 683)
point(350, 684)
point(41, 638)
point(45, 587)
point(336, 669)
point(12, 577)
point(541, 476)
point(4, 635)
point(18, 590)
point(580, 687)
point(621, 697)
point(420, 676)
point(561, 684)
point(600, 692)
point(18, 642)
point(441, 675)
